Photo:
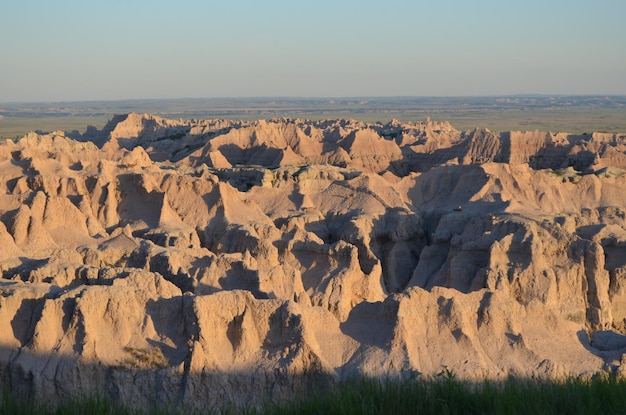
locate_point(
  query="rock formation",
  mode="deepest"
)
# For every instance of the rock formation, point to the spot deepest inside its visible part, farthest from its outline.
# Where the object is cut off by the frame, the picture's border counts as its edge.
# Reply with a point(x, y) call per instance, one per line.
point(200, 262)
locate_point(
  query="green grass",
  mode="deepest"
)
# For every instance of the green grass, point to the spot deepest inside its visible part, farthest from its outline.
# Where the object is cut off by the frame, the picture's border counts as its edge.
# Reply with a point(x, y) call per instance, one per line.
point(575, 121)
point(600, 395)
point(87, 406)
point(94, 406)
point(448, 396)
point(573, 114)
point(17, 127)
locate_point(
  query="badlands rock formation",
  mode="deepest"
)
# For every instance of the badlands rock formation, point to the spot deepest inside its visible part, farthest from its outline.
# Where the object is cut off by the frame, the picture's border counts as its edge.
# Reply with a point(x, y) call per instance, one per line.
point(203, 262)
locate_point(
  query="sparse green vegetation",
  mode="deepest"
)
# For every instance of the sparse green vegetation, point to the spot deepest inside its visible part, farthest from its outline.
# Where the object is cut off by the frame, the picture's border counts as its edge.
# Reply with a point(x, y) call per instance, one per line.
point(17, 127)
point(573, 114)
point(144, 358)
point(174, 136)
point(188, 149)
point(598, 395)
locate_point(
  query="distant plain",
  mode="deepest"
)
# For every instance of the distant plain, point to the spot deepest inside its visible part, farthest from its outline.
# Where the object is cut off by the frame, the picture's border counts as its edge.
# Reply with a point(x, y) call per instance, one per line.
point(574, 114)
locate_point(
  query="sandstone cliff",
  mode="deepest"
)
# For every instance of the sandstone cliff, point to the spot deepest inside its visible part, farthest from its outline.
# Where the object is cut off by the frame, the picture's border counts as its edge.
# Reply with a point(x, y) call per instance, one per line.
point(187, 262)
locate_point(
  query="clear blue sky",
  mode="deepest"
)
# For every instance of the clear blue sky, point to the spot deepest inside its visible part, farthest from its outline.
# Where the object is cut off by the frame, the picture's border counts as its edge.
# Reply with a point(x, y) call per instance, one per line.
point(86, 50)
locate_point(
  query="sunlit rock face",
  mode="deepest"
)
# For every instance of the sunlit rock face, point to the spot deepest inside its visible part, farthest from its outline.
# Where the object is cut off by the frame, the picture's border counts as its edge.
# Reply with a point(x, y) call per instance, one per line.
point(201, 262)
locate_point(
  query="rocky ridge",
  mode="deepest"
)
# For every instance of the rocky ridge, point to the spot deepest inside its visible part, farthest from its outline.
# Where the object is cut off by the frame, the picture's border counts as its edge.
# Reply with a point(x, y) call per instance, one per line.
point(197, 262)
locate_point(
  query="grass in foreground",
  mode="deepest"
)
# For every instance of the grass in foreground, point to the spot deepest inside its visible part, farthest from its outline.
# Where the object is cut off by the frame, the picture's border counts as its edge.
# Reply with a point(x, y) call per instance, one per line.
point(604, 395)
point(370, 396)
point(10, 406)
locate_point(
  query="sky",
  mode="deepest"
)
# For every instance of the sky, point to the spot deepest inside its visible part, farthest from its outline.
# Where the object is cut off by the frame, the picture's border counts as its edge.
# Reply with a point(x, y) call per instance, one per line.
point(75, 50)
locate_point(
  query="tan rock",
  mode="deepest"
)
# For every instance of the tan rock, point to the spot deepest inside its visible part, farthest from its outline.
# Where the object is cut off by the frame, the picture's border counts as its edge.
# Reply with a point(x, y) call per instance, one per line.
point(176, 262)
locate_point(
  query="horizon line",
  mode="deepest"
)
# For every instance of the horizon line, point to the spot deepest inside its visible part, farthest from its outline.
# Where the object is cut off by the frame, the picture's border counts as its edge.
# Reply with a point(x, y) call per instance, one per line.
point(303, 97)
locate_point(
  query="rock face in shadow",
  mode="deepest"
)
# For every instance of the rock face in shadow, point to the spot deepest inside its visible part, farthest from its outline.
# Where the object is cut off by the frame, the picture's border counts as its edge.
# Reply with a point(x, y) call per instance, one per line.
point(196, 262)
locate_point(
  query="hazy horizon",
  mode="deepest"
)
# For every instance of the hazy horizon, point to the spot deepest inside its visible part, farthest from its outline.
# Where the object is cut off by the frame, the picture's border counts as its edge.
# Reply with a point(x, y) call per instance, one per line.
point(70, 50)
point(305, 98)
